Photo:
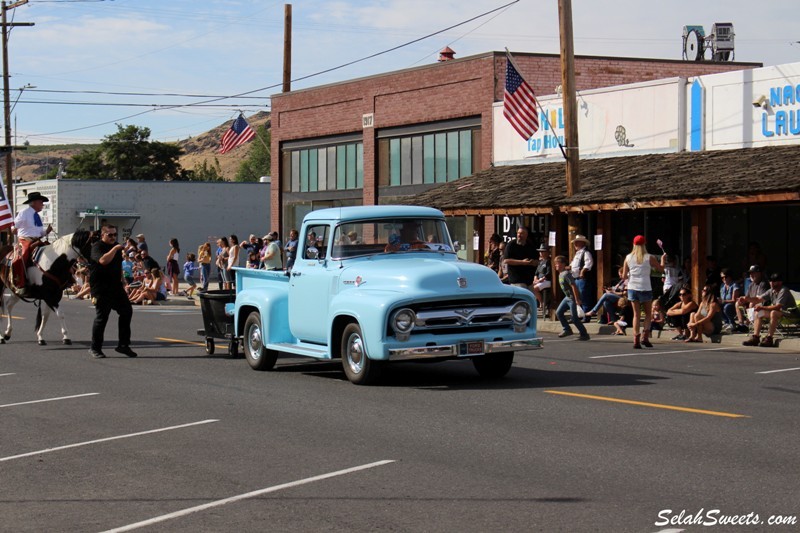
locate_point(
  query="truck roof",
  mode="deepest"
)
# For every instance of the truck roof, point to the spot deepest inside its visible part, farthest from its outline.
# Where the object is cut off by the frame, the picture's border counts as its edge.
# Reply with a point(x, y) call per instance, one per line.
point(372, 211)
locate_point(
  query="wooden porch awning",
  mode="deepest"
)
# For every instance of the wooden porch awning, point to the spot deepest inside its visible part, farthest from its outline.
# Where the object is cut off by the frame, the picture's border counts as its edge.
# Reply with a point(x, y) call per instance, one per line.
point(681, 179)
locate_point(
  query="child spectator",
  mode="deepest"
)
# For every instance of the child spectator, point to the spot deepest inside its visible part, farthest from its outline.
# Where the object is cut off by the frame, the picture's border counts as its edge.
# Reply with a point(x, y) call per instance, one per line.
point(657, 324)
point(253, 260)
point(127, 268)
point(625, 311)
point(188, 270)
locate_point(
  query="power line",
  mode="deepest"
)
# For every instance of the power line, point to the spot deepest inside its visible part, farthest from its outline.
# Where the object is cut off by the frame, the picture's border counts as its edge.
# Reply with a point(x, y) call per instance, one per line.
point(319, 73)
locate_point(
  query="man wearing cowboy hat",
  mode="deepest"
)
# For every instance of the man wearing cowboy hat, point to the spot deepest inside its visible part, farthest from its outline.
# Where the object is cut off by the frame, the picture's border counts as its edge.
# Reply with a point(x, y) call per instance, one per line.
point(581, 266)
point(29, 229)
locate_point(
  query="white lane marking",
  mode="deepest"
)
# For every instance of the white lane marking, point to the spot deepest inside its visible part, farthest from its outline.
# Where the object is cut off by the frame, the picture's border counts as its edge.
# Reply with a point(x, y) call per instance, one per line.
point(781, 370)
point(107, 439)
point(647, 352)
point(255, 493)
point(1, 375)
point(51, 399)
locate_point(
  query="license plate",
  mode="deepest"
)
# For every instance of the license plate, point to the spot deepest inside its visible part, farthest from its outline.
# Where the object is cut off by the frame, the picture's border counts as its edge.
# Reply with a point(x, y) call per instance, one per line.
point(472, 348)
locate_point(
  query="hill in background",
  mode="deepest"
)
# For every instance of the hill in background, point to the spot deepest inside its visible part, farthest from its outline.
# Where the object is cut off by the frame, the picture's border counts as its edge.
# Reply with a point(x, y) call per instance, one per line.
point(32, 164)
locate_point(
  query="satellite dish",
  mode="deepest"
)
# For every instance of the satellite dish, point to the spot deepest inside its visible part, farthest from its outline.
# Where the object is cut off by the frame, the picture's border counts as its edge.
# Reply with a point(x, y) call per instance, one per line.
point(693, 46)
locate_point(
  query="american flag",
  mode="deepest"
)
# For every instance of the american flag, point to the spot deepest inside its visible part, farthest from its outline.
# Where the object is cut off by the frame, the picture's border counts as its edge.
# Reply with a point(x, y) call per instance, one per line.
point(240, 133)
point(6, 216)
point(519, 103)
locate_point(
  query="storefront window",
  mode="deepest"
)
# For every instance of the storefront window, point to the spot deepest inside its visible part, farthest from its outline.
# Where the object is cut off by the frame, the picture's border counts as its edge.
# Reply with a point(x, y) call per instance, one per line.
point(328, 168)
point(430, 158)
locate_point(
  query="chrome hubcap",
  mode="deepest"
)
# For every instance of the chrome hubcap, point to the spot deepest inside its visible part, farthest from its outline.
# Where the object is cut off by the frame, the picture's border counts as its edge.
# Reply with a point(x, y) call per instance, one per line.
point(355, 353)
point(254, 341)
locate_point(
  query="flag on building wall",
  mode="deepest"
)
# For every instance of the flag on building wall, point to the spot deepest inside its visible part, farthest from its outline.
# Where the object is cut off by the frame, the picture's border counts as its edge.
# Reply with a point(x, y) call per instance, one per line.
point(240, 133)
point(519, 103)
point(6, 216)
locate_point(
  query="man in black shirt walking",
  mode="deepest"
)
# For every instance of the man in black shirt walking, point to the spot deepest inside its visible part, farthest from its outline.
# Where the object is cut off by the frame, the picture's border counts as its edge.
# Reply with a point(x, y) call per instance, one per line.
point(105, 280)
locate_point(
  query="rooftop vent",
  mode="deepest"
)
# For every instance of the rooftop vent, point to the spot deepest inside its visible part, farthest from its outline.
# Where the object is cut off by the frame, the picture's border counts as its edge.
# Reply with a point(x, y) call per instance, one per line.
point(446, 54)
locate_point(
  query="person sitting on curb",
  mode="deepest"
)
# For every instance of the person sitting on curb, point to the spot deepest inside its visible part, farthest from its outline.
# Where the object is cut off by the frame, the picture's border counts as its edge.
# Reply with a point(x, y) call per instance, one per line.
point(625, 310)
point(707, 320)
point(773, 305)
point(679, 314)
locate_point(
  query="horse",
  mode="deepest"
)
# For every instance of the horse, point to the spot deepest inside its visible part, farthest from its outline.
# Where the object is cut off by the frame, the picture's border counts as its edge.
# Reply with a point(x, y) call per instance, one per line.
point(47, 279)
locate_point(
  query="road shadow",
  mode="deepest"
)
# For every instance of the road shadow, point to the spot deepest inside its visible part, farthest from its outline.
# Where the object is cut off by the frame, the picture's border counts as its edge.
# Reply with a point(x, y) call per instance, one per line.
point(460, 375)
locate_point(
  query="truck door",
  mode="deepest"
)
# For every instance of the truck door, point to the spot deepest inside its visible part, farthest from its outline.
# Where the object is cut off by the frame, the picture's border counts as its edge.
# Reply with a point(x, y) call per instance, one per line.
point(310, 286)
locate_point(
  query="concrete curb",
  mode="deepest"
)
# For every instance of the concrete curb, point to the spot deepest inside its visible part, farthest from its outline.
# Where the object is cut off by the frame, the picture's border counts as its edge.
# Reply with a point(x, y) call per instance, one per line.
point(554, 326)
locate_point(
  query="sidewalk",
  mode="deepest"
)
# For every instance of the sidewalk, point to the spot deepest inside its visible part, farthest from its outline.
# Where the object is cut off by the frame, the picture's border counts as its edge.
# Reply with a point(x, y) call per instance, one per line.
point(554, 326)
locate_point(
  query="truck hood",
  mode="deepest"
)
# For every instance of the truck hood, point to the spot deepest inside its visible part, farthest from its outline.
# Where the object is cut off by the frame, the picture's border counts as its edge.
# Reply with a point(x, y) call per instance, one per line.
point(417, 275)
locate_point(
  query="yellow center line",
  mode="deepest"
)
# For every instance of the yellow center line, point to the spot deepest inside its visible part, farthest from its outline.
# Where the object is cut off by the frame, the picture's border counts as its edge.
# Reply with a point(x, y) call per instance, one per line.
point(180, 341)
point(14, 317)
point(647, 404)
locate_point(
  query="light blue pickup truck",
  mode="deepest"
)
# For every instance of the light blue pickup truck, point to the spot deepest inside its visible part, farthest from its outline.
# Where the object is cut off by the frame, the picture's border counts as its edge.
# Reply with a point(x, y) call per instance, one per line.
point(376, 284)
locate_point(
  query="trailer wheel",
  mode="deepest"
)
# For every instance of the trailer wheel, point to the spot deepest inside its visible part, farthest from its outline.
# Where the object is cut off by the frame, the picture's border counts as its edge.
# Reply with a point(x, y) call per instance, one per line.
point(359, 368)
point(258, 357)
point(209, 346)
point(493, 366)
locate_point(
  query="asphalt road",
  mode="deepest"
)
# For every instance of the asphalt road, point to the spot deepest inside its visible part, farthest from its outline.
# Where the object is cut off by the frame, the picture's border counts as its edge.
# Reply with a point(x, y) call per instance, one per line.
point(579, 437)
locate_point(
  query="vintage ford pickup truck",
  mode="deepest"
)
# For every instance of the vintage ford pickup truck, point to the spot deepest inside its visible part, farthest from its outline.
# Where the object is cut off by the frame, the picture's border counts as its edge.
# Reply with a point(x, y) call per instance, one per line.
point(376, 284)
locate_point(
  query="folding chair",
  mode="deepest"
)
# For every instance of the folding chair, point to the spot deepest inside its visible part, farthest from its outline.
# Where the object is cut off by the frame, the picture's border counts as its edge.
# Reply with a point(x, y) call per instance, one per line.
point(789, 325)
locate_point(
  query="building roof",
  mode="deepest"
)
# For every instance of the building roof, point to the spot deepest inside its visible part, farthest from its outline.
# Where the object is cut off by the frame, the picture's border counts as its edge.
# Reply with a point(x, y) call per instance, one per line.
point(680, 179)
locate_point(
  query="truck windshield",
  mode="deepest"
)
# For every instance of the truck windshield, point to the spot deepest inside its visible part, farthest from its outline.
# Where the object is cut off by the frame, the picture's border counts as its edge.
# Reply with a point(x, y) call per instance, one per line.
point(390, 235)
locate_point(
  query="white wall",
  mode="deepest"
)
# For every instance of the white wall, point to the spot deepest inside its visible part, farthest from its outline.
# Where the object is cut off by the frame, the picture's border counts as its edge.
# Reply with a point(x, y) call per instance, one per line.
point(192, 212)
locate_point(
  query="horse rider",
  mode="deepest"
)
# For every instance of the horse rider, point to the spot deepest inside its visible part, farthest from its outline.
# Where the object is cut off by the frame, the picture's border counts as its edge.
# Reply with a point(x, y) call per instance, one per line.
point(30, 230)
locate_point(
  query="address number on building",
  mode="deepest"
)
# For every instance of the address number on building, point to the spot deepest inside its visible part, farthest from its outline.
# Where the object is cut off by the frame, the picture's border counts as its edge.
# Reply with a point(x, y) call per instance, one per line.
point(368, 120)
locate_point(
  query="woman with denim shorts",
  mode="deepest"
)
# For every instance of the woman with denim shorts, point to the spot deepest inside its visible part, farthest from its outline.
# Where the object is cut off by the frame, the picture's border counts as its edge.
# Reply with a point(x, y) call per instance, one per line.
point(637, 268)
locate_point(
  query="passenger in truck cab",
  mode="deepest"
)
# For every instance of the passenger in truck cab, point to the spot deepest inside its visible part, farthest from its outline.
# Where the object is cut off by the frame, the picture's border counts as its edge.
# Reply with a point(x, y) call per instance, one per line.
point(406, 239)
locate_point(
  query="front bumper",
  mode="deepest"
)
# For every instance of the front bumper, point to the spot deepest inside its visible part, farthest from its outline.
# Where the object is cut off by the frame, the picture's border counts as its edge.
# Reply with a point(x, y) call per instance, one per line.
point(463, 349)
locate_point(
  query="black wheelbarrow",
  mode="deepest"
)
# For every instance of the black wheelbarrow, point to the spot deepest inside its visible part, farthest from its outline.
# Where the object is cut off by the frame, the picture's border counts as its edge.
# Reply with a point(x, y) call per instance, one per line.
point(217, 322)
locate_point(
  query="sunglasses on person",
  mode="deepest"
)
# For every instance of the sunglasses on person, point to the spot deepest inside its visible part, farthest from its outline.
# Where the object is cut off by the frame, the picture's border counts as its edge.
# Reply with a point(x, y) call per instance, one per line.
point(111, 234)
point(683, 294)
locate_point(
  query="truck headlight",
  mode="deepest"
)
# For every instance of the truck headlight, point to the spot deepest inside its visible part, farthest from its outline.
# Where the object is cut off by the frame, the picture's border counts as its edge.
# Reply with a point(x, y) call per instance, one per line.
point(521, 313)
point(403, 322)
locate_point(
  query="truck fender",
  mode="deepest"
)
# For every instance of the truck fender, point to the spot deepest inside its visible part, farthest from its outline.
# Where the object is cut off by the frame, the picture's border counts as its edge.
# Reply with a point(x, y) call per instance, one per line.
point(273, 306)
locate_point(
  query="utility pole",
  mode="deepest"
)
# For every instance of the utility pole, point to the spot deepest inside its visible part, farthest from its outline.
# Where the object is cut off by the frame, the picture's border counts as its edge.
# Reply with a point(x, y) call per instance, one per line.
point(287, 48)
point(8, 147)
point(570, 112)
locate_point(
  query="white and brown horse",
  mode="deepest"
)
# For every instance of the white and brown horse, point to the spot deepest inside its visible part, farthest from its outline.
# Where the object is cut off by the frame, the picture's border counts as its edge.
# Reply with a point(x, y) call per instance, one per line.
point(46, 280)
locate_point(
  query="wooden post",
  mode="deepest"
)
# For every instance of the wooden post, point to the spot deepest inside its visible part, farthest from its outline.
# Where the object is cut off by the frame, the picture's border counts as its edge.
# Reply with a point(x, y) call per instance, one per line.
point(573, 229)
point(568, 94)
point(557, 225)
point(603, 257)
point(287, 48)
point(699, 244)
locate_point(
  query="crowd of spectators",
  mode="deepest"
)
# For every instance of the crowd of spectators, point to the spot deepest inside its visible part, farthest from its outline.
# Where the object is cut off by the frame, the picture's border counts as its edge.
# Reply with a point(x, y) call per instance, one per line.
point(730, 302)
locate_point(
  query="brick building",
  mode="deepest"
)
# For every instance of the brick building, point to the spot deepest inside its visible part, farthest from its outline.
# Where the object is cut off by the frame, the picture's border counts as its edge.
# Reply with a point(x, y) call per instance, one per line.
point(371, 140)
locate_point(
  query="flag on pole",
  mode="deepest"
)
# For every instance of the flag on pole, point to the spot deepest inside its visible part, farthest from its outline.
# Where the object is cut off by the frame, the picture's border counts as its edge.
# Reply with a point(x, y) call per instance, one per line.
point(240, 133)
point(519, 103)
point(6, 216)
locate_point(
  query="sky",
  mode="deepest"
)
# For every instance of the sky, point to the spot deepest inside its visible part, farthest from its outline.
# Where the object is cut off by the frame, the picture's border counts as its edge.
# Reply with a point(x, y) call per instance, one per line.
point(66, 69)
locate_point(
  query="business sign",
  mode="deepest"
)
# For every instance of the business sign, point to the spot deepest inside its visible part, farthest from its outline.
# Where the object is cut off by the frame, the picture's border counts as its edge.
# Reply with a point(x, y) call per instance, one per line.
point(641, 117)
point(744, 109)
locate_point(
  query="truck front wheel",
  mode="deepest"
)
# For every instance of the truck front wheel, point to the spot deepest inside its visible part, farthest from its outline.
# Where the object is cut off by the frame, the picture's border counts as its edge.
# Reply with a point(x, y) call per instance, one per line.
point(258, 357)
point(360, 369)
point(495, 365)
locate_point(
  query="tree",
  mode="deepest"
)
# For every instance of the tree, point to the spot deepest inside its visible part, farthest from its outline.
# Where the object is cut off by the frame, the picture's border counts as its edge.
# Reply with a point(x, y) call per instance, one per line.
point(205, 172)
point(128, 155)
point(258, 161)
point(87, 164)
